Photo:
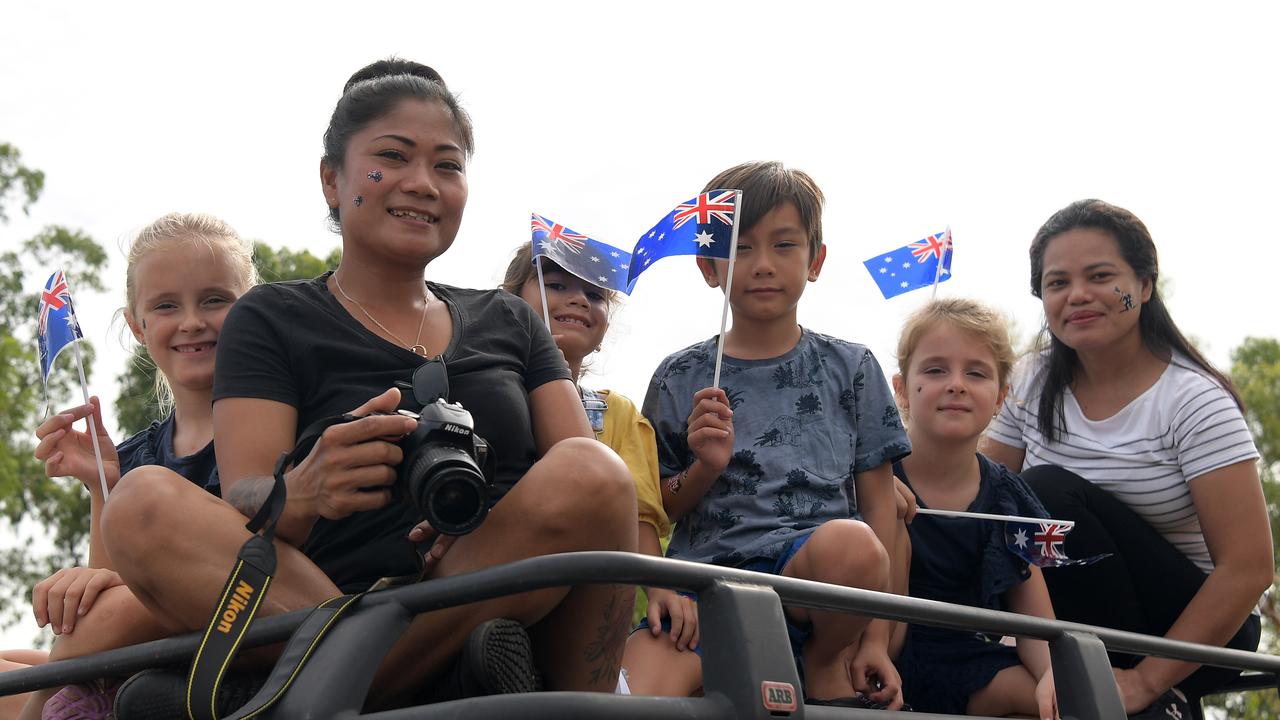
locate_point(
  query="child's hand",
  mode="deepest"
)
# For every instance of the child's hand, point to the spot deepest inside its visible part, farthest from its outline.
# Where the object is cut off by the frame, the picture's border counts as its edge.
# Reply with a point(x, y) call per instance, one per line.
point(68, 594)
point(68, 452)
point(711, 429)
point(874, 675)
point(1046, 697)
point(683, 612)
point(905, 501)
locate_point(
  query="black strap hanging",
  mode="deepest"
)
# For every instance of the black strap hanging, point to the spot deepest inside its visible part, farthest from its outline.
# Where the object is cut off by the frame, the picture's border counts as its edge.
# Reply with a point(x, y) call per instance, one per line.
point(242, 595)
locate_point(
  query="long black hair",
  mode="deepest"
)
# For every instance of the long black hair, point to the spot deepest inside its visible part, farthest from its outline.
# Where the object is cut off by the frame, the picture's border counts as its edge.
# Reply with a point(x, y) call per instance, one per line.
point(1159, 333)
point(372, 92)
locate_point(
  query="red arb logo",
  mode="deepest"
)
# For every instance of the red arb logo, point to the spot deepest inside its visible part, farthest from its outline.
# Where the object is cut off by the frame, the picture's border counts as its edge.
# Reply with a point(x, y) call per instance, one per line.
point(778, 696)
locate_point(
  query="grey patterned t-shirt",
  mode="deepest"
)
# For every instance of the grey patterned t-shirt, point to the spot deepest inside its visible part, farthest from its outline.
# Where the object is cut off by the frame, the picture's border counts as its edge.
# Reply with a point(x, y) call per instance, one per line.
point(804, 424)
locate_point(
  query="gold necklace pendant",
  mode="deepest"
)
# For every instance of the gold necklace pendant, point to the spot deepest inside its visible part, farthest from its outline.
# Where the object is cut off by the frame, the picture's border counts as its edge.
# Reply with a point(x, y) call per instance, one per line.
point(416, 348)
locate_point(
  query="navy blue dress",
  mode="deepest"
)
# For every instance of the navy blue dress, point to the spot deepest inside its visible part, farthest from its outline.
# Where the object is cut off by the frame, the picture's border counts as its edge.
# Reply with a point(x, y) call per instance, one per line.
point(154, 446)
point(966, 562)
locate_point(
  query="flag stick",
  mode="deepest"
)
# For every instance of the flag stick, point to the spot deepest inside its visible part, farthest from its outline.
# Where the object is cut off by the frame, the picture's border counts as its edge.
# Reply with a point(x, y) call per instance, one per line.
point(93, 429)
point(937, 275)
point(988, 516)
point(542, 292)
point(728, 286)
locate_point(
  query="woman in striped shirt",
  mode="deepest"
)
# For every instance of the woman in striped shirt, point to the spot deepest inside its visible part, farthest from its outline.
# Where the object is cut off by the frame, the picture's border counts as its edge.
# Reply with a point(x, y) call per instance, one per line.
point(1120, 424)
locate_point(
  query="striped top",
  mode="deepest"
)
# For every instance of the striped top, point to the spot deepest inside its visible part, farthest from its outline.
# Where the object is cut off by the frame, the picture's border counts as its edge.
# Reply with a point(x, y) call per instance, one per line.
point(1182, 427)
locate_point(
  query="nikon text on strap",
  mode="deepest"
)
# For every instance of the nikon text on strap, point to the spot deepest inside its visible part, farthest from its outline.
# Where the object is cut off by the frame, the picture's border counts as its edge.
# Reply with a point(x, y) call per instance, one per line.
point(241, 597)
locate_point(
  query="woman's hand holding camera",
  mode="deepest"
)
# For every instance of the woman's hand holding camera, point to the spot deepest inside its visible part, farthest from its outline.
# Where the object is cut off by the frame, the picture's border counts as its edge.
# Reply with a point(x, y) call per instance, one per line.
point(68, 452)
point(421, 533)
point(353, 465)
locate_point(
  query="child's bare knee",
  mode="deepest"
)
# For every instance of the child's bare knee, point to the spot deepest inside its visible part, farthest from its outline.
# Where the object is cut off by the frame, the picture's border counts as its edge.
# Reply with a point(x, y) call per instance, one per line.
point(853, 546)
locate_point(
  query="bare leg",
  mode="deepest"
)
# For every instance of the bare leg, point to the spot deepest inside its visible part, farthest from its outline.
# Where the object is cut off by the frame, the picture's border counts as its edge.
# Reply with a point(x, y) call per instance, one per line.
point(840, 552)
point(11, 705)
point(174, 544)
point(655, 667)
point(579, 496)
point(1011, 692)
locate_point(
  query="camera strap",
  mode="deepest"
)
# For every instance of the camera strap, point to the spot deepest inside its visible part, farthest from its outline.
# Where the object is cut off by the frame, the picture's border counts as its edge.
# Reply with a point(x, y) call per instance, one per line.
point(242, 595)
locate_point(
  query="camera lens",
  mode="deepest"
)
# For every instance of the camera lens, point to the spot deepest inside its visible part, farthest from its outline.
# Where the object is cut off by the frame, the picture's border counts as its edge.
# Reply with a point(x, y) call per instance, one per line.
point(448, 488)
point(455, 500)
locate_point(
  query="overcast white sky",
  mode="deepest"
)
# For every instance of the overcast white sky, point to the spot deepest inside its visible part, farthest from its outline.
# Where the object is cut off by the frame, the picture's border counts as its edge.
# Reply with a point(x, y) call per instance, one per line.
point(911, 116)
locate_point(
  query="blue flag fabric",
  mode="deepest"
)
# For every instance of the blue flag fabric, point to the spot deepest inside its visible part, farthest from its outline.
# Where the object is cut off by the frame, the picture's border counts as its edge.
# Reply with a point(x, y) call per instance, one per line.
point(1041, 543)
point(596, 262)
point(58, 326)
point(702, 226)
point(913, 266)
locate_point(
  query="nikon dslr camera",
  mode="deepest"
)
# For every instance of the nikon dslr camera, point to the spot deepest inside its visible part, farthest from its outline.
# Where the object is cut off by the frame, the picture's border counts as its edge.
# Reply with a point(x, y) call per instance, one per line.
point(447, 468)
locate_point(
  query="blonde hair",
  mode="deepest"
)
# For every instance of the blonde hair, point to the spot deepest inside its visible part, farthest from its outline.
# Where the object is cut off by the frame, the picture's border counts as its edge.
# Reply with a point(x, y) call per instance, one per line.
point(166, 231)
point(971, 316)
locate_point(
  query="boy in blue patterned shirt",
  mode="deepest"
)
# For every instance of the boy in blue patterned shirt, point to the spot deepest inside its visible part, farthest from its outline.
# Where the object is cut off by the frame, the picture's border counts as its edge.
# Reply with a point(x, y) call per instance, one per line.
point(785, 469)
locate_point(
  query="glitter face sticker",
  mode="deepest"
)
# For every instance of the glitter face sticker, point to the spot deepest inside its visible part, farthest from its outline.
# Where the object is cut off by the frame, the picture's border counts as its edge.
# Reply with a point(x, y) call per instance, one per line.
point(1126, 299)
point(358, 200)
point(375, 175)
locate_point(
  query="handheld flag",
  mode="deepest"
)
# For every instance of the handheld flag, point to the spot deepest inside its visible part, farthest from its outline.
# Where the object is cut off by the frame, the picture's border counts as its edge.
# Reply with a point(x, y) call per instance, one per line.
point(703, 226)
point(1040, 543)
point(923, 263)
point(596, 262)
point(58, 326)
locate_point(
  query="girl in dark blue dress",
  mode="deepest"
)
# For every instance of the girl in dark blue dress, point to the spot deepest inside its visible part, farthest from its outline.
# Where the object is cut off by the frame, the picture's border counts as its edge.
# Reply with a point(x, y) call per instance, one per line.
point(954, 358)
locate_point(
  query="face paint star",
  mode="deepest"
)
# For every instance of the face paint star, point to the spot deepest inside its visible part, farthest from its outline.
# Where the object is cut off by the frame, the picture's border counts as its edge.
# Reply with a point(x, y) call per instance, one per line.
point(358, 200)
point(375, 175)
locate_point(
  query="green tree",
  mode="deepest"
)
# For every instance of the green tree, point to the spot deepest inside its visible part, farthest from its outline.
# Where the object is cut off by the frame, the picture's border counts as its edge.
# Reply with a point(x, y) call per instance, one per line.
point(136, 405)
point(31, 505)
point(1255, 370)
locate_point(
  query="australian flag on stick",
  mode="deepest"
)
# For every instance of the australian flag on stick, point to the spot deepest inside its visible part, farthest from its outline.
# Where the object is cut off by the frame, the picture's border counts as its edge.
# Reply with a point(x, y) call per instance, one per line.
point(57, 327)
point(596, 262)
point(703, 226)
point(1040, 543)
point(913, 266)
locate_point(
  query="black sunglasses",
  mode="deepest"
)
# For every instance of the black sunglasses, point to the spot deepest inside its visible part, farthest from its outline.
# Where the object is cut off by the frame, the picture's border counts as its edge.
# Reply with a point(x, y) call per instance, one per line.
point(430, 383)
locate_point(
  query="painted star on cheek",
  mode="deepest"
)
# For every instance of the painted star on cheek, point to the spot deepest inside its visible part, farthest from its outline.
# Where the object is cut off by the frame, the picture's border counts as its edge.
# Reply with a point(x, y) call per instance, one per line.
point(358, 200)
point(375, 175)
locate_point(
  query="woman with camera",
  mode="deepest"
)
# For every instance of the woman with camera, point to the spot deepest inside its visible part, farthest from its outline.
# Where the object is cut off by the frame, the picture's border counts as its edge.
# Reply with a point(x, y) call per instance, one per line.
point(394, 178)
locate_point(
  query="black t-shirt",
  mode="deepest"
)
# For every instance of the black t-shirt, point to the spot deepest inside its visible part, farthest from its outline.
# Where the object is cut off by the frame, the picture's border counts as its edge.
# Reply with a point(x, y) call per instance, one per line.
point(154, 446)
point(292, 342)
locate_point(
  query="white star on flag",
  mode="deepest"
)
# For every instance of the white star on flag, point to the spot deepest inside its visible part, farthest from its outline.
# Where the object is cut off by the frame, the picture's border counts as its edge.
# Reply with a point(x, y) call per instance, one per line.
point(904, 283)
point(602, 278)
point(615, 253)
point(906, 266)
point(888, 258)
point(71, 320)
point(1020, 538)
point(945, 271)
point(625, 266)
point(544, 244)
point(595, 258)
point(704, 239)
point(884, 270)
point(662, 236)
point(650, 234)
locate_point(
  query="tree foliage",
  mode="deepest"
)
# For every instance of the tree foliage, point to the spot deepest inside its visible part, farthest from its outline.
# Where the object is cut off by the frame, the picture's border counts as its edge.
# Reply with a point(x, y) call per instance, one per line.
point(136, 405)
point(49, 517)
point(1255, 370)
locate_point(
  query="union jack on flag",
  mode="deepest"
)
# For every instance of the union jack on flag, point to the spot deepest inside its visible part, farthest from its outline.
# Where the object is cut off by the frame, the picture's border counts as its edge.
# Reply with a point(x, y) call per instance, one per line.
point(911, 267)
point(703, 226)
point(1041, 543)
point(57, 326)
point(554, 233)
point(598, 263)
point(931, 247)
point(705, 206)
